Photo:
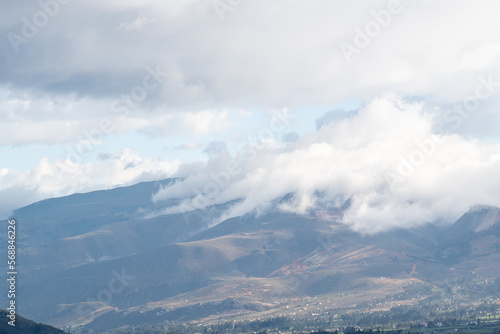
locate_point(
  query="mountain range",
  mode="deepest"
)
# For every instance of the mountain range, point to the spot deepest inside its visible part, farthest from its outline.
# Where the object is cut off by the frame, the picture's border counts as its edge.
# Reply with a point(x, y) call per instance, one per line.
point(108, 259)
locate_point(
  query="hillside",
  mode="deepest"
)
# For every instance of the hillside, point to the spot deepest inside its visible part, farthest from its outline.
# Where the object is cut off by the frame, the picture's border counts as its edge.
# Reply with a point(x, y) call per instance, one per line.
point(24, 326)
point(119, 268)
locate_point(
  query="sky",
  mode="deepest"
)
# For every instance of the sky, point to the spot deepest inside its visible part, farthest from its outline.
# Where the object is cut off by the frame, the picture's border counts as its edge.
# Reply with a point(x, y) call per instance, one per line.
point(390, 106)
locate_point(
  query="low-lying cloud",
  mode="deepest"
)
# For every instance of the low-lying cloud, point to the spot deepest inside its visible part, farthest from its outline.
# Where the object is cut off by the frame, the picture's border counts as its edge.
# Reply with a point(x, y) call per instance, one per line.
point(386, 162)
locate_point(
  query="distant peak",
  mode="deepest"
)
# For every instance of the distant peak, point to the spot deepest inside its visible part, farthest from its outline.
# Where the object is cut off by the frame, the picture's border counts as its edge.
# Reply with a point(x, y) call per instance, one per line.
point(477, 219)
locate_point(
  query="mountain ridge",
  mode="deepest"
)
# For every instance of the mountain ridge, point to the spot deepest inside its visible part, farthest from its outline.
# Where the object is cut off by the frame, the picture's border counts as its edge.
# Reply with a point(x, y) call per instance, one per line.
point(125, 269)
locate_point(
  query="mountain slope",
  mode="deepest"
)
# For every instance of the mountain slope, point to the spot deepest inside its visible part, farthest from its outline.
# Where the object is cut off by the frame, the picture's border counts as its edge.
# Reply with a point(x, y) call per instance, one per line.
point(473, 243)
point(24, 326)
point(125, 269)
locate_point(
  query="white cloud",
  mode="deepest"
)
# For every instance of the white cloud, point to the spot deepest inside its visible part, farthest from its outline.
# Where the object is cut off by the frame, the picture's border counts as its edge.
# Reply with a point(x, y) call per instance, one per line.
point(361, 160)
point(26, 118)
point(205, 122)
point(62, 178)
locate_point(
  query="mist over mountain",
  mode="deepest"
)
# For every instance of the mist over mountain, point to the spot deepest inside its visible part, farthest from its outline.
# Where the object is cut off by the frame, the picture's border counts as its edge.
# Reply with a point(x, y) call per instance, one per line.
point(387, 165)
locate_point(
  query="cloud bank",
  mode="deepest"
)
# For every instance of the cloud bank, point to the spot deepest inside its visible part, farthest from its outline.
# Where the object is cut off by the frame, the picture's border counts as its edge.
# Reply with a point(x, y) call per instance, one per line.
point(261, 55)
point(387, 162)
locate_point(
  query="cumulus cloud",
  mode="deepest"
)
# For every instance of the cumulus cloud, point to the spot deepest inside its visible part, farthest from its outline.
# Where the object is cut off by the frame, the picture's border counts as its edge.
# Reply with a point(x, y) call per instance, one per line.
point(386, 165)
